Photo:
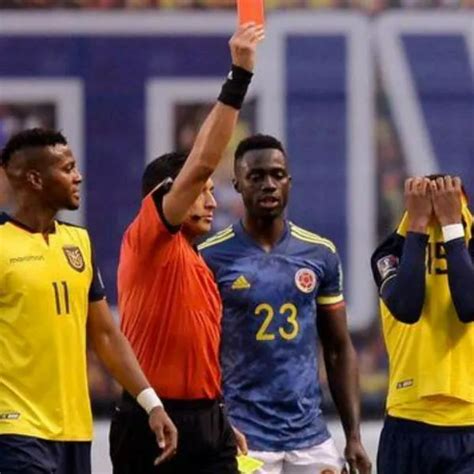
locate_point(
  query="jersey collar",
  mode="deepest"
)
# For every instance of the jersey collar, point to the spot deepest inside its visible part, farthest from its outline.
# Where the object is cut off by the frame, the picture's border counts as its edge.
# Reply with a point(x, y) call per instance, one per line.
point(242, 234)
point(4, 218)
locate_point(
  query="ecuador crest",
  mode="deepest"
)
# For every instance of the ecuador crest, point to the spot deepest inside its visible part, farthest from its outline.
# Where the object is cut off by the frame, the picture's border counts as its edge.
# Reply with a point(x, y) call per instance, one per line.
point(74, 257)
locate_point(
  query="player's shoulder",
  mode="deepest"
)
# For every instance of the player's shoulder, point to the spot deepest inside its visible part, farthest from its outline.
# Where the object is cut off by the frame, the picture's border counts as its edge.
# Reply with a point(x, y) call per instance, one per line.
point(4, 228)
point(391, 245)
point(74, 230)
point(310, 239)
point(72, 226)
point(218, 241)
point(4, 219)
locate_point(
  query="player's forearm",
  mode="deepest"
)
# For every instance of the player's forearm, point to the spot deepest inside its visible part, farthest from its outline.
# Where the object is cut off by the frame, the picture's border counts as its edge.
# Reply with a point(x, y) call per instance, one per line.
point(343, 377)
point(461, 278)
point(404, 294)
point(115, 352)
point(213, 138)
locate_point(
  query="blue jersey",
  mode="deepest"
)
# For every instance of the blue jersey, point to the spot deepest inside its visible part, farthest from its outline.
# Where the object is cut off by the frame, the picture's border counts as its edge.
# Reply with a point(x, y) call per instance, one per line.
point(269, 336)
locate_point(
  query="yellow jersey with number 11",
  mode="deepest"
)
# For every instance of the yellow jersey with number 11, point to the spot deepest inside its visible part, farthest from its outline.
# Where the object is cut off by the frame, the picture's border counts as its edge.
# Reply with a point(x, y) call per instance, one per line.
point(45, 290)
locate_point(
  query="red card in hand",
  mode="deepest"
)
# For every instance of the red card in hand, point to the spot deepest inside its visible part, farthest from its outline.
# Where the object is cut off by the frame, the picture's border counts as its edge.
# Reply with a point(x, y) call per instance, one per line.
point(250, 10)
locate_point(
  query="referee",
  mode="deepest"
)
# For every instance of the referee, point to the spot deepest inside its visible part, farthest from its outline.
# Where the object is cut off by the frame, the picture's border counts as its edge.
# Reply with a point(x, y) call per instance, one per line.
point(169, 302)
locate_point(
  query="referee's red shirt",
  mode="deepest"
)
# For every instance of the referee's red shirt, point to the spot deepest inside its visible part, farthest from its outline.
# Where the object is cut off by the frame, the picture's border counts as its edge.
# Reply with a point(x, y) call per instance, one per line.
point(170, 308)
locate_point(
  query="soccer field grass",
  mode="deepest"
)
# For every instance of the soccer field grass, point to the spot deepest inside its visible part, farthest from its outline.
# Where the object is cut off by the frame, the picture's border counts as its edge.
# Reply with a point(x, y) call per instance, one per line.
point(100, 454)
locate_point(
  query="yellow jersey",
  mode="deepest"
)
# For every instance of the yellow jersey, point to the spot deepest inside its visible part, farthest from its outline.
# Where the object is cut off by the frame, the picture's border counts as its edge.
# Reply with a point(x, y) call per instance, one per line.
point(45, 290)
point(431, 372)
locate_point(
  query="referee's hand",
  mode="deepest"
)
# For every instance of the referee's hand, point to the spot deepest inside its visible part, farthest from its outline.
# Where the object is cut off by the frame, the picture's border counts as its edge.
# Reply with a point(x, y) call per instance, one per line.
point(243, 45)
point(165, 432)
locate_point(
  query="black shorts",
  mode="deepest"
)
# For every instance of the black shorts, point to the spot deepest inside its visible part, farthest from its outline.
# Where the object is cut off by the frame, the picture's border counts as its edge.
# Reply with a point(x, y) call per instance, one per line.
point(206, 442)
point(29, 455)
point(411, 447)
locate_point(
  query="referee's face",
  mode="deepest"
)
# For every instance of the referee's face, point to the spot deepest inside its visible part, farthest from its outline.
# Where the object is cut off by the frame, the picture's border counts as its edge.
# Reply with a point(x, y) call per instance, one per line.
point(199, 218)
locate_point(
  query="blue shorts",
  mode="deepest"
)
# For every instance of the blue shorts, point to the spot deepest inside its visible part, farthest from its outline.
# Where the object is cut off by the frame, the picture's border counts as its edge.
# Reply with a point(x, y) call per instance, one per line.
point(411, 447)
point(28, 455)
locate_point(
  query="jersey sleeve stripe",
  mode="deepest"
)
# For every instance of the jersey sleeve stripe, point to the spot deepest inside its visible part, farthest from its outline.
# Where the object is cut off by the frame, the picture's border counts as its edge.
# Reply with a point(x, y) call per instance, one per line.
point(218, 235)
point(310, 235)
point(313, 240)
point(215, 241)
point(329, 300)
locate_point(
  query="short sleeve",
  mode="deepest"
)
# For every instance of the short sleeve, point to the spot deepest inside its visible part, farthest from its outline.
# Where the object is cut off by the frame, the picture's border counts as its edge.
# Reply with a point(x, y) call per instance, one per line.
point(150, 225)
point(97, 289)
point(386, 258)
point(331, 288)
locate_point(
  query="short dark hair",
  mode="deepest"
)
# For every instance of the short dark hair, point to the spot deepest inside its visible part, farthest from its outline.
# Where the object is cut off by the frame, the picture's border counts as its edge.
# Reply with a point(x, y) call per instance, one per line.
point(257, 142)
point(165, 166)
point(30, 138)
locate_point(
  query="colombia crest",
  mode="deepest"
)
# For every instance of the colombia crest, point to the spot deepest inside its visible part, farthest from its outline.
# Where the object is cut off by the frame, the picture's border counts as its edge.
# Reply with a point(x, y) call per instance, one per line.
point(74, 257)
point(305, 280)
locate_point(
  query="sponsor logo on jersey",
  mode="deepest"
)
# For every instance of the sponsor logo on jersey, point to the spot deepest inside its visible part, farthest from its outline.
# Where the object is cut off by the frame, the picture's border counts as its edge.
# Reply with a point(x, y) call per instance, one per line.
point(9, 415)
point(387, 264)
point(27, 258)
point(405, 384)
point(241, 283)
point(305, 280)
point(74, 257)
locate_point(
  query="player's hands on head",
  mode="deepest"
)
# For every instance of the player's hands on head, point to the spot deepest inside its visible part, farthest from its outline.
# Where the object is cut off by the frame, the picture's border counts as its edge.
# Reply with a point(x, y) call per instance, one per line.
point(165, 432)
point(418, 203)
point(241, 441)
point(446, 195)
point(357, 458)
point(243, 45)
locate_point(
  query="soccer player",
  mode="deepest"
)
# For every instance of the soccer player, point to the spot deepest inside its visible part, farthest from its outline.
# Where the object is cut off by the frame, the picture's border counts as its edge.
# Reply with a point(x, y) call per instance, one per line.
point(281, 285)
point(169, 302)
point(52, 303)
point(425, 275)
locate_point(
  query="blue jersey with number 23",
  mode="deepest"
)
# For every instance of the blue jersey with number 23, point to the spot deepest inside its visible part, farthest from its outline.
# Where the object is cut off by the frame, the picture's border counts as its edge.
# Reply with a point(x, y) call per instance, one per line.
point(269, 336)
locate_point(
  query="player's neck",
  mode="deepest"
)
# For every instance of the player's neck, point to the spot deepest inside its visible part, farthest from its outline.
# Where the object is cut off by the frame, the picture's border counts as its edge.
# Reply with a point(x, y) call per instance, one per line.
point(34, 216)
point(267, 232)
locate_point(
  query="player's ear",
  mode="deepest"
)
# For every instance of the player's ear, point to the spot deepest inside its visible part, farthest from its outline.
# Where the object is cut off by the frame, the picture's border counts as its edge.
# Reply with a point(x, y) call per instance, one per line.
point(34, 179)
point(235, 183)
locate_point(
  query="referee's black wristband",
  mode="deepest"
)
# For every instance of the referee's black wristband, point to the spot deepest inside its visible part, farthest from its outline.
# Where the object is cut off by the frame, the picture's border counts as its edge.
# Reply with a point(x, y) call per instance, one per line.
point(234, 89)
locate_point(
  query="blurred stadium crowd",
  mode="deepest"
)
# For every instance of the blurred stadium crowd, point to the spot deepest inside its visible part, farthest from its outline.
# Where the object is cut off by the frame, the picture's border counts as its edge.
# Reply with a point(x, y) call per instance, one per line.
point(368, 6)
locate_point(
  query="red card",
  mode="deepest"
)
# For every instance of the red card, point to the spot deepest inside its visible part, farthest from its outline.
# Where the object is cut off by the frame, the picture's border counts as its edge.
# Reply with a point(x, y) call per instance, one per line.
point(250, 10)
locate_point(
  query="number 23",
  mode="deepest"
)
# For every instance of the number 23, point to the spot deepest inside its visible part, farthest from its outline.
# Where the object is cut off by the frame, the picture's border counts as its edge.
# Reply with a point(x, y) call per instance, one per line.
point(288, 309)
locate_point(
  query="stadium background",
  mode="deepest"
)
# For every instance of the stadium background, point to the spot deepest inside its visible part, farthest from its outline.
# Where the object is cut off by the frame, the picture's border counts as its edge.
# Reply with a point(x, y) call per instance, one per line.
point(362, 92)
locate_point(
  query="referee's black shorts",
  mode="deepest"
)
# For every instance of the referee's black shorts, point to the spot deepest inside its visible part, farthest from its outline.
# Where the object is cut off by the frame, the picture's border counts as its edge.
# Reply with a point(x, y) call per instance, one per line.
point(206, 442)
point(412, 447)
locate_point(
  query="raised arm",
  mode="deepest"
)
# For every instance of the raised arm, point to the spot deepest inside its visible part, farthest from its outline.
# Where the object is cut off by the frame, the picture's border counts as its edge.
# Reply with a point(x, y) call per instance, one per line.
point(447, 203)
point(217, 129)
point(403, 286)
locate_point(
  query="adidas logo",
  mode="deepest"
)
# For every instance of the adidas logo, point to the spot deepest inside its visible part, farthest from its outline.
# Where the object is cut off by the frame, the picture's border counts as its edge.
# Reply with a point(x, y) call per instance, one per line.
point(241, 283)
